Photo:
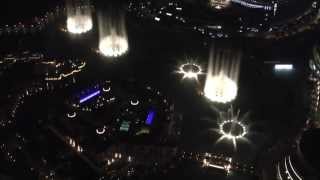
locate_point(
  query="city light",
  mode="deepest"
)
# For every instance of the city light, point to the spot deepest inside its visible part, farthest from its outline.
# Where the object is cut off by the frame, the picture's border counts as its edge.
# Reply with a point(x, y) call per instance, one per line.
point(134, 103)
point(126, 129)
point(150, 117)
point(190, 70)
point(293, 169)
point(279, 172)
point(74, 145)
point(226, 167)
point(84, 99)
point(283, 67)
point(287, 170)
point(125, 126)
point(72, 115)
point(207, 164)
point(101, 131)
point(129, 158)
point(106, 89)
point(65, 75)
point(253, 4)
point(79, 24)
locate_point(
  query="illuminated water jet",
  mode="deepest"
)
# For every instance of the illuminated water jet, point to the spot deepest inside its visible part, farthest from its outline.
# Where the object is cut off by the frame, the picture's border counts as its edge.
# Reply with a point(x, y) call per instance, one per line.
point(113, 35)
point(79, 24)
point(190, 70)
point(227, 129)
point(113, 45)
point(220, 88)
point(79, 17)
point(222, 77)
point(232, 127)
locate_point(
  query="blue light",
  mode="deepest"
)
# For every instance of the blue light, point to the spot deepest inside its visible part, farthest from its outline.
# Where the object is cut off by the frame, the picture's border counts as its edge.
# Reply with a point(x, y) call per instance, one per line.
point(150, 117)
point(84, 99)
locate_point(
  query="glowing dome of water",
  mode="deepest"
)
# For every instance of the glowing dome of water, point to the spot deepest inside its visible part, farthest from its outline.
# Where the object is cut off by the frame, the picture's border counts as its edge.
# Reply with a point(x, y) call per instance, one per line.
point(79, 24)
point(220, 88)
point(79, 16)
point(113, 46)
